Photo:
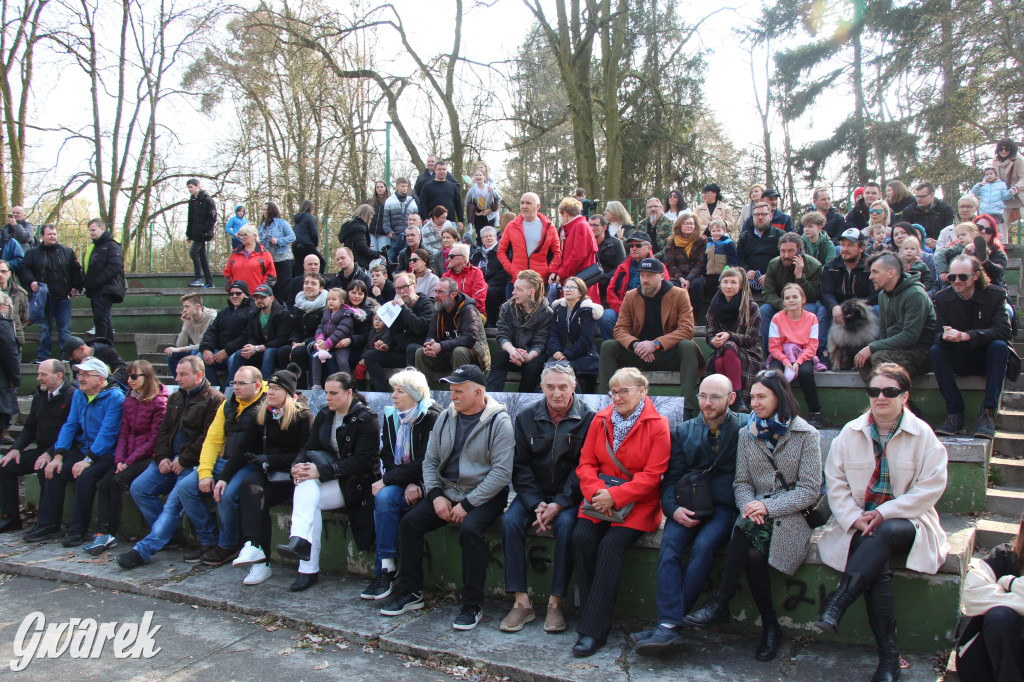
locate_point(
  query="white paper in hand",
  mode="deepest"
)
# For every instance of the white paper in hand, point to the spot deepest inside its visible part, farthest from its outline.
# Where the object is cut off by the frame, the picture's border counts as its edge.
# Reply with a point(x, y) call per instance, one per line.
point(389, 312)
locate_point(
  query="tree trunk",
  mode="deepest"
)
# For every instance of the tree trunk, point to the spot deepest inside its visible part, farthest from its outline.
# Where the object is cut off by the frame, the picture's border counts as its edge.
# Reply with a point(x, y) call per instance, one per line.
point(861, 142)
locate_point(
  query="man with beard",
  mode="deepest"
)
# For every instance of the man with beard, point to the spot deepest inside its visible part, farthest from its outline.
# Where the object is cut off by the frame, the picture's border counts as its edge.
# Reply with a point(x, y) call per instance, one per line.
point(656, 225)
point(655, 332)
point(455, 336)
point(269, 327)
point(408, 330)
point(845, 277)
point(792, 265)
point(704, 443)
point(757, 246)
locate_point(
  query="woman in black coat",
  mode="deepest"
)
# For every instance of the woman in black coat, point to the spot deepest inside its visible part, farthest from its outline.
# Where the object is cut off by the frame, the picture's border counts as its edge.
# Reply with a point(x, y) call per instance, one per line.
point(271, 442)
point(307, 234)
point(355, 234)
point(407, 427)
point(572, 333)
point(335, 470)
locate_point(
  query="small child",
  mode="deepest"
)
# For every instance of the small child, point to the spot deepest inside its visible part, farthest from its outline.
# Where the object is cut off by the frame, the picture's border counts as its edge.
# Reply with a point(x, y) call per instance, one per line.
point(721, 254)
point(877, 236)
point(797, 326)
point(338, 323)
point(910, 254)
point(380, 333)
point(816, 245)
point(991, 194)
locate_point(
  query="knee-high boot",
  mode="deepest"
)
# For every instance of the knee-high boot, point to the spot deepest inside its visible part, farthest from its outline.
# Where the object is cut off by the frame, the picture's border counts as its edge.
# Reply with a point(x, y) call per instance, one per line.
point(882, 617)
point(852, 585)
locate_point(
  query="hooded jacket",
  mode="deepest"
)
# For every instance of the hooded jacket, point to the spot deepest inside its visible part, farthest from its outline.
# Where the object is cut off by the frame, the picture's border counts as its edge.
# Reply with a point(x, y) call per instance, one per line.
point(396, 214)
point(46, 417)
point(1011, 171)
point(472, 283)
point(140, 426)
point(192, 332)
point(202, 217)
point(355, 234)
point(578, 252)
point(234, 223)
point(572, 334)
point(92, 426)
point(304, 225)
point(547, 454)
point(254, 269)
point(56, 266)
point(485, 463)
point(460, 327)
point(906, 317)
point(104, 275)
point(190, 412)
point(227, 331)
point(512, 249)
point(279, 327)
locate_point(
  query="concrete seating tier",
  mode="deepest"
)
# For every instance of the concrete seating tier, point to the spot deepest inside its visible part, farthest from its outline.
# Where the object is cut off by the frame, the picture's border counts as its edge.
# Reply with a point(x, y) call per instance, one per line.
point(933, 600)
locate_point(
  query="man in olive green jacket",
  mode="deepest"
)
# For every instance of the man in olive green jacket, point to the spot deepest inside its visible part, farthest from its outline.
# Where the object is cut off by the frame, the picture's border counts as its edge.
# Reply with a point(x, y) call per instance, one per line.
point(906, 316)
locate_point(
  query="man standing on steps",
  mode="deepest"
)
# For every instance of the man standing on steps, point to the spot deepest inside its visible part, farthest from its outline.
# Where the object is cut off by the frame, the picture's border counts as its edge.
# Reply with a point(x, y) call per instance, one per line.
point(50, 406)
point(466, 473)
point(972, 336)
point(83, 453)
point(104, 276)
point(202, 218)
point(426, 176)
point(55, 266)
point(409, 329)
point(226, 334)
point(440, 192)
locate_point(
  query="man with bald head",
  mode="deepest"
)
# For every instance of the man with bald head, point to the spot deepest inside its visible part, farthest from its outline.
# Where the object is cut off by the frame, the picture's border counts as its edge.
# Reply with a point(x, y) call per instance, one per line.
point(348, 271)
point(704, 447)
point(26, 231)
point(310, 266)
point(50, 406)
point(529, 242)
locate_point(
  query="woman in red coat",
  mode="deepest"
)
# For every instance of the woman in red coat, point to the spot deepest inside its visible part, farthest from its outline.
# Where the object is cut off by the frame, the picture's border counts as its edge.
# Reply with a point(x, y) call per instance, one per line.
point(580, 249)
point(250, 262)
point(639, 438)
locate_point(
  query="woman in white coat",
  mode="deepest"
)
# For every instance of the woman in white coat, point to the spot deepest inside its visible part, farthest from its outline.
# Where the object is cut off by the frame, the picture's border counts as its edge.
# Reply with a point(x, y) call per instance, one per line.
point(885, 472)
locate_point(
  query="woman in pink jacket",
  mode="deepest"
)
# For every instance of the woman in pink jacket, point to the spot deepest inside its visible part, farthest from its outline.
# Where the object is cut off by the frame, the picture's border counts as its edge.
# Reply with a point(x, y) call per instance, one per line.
point(580, 249)
point(141, 416)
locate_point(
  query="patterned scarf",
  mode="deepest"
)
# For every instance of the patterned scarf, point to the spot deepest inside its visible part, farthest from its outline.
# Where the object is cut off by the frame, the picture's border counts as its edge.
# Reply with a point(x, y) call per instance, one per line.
point(621, 426)
point(770, 430)
point(880, 486)
point(276, 412)
point(403, 434)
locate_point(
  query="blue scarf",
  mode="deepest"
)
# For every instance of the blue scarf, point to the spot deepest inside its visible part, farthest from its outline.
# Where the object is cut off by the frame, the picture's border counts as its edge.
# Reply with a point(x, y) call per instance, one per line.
point(770, 430)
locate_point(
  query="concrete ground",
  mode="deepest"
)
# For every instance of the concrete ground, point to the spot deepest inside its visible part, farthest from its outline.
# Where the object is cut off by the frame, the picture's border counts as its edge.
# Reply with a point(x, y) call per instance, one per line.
point(216, 627)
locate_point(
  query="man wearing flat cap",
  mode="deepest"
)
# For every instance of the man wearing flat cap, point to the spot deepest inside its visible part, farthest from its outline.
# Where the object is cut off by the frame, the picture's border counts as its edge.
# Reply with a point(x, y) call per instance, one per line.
point(226, 334)
point(655, 332)
point(466, 473)
point(84, 452)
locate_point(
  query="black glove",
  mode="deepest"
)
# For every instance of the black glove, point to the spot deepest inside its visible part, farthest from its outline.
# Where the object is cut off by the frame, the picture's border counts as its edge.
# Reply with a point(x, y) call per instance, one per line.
point(260, 461)
point(249, 456)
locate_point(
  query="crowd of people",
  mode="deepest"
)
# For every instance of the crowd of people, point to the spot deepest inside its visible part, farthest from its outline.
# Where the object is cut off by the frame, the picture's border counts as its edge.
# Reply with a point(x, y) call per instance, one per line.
point(591, 303)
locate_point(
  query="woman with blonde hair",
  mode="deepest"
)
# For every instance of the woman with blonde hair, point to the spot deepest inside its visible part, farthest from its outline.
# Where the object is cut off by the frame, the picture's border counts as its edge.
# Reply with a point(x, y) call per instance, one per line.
point(524, 322)
point(141, 415)
point(579, 250)
point(619, 222)
point(685, 256)
point(754, 194)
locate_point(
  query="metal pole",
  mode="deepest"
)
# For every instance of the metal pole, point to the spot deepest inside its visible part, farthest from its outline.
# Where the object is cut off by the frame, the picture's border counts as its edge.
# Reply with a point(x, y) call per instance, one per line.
point(387, 152)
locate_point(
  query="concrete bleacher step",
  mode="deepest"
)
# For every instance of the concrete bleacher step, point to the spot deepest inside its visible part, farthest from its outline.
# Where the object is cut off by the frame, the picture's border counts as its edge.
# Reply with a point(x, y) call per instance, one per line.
point(995, 530)
point(1010, 472)
point(1010, 420)
point(1005, 501)
point(1013, 400)
point(161, 297)
point(1009, 444)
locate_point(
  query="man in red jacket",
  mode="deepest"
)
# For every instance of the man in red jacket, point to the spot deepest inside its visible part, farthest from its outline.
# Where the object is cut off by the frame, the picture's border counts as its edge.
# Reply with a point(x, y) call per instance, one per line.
point(532, 240)
point(580, 250)
point(470, 278)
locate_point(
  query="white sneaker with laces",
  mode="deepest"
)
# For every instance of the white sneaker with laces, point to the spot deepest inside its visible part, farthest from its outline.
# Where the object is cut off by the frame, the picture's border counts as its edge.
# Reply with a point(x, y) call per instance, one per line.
point(249, 555)
point(257, 574)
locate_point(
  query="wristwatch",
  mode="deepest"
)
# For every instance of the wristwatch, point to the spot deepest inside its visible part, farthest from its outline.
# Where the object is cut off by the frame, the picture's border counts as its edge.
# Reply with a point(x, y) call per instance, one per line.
point(657, 344)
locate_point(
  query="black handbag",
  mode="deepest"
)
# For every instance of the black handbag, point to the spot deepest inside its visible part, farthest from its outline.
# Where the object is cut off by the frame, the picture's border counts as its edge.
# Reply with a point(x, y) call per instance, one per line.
point(816, 514)
point(616, 515)
point(274, 476)
point(693, 491)
point(591, 275)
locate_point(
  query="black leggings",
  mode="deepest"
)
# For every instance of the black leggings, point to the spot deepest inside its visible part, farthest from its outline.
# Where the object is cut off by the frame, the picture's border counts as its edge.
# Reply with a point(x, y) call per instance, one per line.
point(742, 554)
point(870, 555)
point(805, 378)
point(256, 497)
point(997, 652)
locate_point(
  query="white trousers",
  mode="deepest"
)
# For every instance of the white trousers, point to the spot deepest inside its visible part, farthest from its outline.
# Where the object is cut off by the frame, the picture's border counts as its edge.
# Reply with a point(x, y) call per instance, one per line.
point(312, 496)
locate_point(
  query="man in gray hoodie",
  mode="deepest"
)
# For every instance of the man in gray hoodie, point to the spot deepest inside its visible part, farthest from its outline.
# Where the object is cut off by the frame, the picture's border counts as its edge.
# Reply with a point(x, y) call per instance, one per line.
point(466, 474)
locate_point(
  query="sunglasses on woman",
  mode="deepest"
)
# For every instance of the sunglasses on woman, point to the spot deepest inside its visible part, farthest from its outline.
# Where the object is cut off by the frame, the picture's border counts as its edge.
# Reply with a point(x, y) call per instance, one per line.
point(888, 391)
point(133, 377)
point(987, 230)
point(876, 211)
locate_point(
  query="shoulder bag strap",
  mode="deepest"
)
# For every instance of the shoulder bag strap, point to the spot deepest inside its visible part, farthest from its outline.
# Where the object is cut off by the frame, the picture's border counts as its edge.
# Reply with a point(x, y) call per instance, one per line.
point(778, 474)
point(608, 446)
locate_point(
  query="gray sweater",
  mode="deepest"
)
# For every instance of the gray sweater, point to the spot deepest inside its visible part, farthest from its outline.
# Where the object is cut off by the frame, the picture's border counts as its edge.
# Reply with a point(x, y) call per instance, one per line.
point(485, 466)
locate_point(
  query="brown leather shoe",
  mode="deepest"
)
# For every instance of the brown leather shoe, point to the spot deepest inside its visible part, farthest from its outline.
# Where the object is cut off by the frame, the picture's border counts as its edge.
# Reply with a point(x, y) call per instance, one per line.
point(554, 622)
point(517, 618)
point(218, 556)
point(194, 556)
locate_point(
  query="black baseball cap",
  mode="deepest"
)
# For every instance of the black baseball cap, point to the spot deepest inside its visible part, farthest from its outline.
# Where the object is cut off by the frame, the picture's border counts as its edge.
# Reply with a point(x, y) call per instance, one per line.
point(651, 265)
point(466, 373)
point(769, 194)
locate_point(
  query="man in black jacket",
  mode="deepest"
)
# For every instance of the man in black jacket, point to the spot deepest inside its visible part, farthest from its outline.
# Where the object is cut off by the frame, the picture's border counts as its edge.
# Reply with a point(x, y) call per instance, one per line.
point(408, 329)
point(455, 336)
point(310, 266)
point(549, 437)
point(859, 216)
point(704, 444)
point(610, 252)
point(758, 246)
point(972, 334)
point(104, 277)
point(428, 175)
point(845, 277)
point(440, 192)
point(202, 217)
point(835, 223)
point(56, 266)
point(226, 334)
point(76, 350)
point(50, 406)
point(928, 212)
point(269, 327)
point(348, 271)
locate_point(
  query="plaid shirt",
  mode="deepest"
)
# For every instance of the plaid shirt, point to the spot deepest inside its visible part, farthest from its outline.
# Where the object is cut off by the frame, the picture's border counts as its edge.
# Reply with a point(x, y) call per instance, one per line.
point(880, 486)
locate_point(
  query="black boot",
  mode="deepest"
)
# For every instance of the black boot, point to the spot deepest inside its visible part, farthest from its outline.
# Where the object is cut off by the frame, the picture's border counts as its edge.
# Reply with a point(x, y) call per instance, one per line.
point(882, 618)
point(850, 587)
point(714, 612)
point(297, 548)
point(771, 637)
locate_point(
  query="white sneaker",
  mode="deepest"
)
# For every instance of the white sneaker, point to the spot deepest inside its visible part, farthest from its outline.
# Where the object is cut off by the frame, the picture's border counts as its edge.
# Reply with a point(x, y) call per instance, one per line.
point(257, 574)
point(249, 555)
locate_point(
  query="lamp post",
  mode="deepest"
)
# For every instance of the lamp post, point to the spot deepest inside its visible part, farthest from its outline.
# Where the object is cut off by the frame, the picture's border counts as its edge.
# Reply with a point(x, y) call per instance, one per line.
point(387, 154)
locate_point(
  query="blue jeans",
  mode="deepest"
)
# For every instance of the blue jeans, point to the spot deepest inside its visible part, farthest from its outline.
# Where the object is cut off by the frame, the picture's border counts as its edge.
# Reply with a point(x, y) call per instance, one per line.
point(514, 524)
point(174, 358)
point(199, 514)
point(169, 518)
point(989, 362)
point(265, 361)
point(211, 373)
point(607, 324)
point(388, 508)
point(149, 486)
point(678, 589)
point(60, 312)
